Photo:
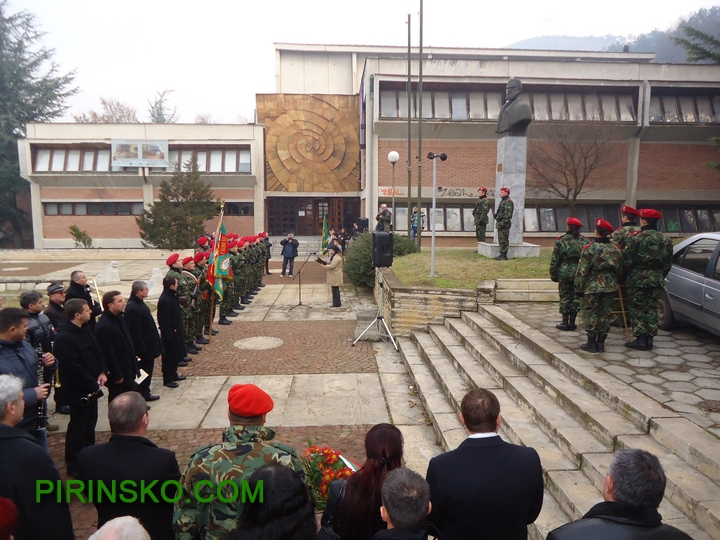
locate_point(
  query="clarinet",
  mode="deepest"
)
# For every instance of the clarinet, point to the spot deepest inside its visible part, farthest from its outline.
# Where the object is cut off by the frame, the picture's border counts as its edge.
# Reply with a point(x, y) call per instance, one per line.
point(42, 417)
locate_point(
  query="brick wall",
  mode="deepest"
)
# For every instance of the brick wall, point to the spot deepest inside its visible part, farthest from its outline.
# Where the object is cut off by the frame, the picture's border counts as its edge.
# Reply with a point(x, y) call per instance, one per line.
point(95, 226)
point(673, 166)
point(242, 225)
point(82, 194)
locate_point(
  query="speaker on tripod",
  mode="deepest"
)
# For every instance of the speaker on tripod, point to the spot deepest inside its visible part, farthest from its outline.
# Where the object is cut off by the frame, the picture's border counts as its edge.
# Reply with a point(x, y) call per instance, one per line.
point(382, 253)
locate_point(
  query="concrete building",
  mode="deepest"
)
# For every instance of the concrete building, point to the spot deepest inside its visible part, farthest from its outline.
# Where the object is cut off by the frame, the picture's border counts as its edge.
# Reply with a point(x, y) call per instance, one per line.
point(72, 181)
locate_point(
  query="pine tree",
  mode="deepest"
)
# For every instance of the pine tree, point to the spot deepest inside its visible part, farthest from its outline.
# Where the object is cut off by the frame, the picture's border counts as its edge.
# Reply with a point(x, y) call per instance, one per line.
point(178, 218)
point(700, 46)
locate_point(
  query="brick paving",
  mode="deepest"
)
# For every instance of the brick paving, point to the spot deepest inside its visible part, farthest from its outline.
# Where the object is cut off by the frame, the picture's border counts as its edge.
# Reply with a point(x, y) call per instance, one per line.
point(309, 347)
point(31, 269)
point(682, 371)
point(312, 272)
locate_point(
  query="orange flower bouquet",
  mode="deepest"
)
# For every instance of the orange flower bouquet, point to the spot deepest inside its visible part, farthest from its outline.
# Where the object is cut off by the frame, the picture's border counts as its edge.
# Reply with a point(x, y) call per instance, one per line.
point(322, 465)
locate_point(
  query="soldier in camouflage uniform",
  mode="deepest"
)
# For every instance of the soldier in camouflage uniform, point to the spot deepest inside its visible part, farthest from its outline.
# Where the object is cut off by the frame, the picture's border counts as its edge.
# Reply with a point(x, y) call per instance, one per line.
point(503, 221)
point(246, 446)
point(596, 280)
point(647, 259)
point(480, 212)
point(188, 287)
point(621, 238)
point(225, 308)
point(206, 291)
point(563, 267)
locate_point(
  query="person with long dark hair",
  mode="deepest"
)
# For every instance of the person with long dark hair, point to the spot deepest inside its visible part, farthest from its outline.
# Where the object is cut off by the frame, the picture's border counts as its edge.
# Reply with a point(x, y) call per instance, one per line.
point(285, 512)
point(354, 504)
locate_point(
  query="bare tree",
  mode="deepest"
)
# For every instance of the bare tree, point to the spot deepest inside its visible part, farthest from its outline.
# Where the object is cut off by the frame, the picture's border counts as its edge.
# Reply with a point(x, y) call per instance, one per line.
point(160, 112)
point(568, 160)
point(203, 118)
point(113, 112)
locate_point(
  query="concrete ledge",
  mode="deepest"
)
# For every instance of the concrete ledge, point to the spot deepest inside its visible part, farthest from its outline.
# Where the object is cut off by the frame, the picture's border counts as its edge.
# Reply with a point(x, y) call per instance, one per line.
point(516, 251)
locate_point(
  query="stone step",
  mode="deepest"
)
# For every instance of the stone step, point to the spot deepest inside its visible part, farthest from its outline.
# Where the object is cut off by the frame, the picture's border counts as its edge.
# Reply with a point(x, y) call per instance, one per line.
point(527, 285)
point(526, 296)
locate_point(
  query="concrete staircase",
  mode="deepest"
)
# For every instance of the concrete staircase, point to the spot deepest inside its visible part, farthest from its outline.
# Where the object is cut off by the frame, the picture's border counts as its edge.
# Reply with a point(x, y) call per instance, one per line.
point(575, 415)
point(526, 290)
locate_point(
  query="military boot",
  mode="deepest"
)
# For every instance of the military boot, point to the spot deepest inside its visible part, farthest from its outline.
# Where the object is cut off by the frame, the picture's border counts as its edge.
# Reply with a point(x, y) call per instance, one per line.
point(601, 342)
point(224, 321)
point(201, 340)
point(591, 345)
point(571, 322)
point(564, 326)
point(244, 300)
point(261, 284)
point(502, 256)
point(641, 343)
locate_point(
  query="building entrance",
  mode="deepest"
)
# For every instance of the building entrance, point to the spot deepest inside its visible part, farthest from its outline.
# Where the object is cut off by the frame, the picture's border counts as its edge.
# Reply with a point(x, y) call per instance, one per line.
point(304, 215)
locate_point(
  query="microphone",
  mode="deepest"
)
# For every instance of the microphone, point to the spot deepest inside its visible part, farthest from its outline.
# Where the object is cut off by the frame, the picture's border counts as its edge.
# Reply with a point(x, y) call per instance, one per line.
point(313, 253)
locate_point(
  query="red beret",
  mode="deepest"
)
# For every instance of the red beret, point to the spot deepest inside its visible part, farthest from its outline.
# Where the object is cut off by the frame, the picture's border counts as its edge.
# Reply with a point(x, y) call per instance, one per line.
point(649, 213)
point(262, 234)
point(248, 400)
point(602, 224)
point(232, 245)
point(172, 259)
point(483, 189)
point(202, 240)
point(206, 255)
point(505, 189)
point(241, 243)
point(629, 210)
point(9, 517)
point(187, 260)
point(574, 221)
point(199, 256)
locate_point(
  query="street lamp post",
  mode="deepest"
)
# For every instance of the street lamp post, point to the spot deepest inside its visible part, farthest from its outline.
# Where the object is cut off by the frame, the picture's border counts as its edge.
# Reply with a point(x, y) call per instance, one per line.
point(442, 157)
point(394, 157)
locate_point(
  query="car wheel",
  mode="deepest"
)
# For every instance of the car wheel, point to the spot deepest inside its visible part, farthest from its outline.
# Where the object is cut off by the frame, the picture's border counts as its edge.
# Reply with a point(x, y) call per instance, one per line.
point(666, 321)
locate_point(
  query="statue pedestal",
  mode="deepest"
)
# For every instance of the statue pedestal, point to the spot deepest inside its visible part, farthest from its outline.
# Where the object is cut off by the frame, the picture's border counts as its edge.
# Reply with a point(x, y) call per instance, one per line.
point(516, 251)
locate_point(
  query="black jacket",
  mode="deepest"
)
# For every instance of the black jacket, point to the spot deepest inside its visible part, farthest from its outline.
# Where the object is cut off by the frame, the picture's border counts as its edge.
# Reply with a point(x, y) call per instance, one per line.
point(138, 459)
point(401, 534)
point(56, 313)
point(23, 462)
point(170, 321)
point(618, 521)
point(116, 345)
point(485, 487)
point(81, 359)
point(143, 331)
point(75, 290)
point(293, 247)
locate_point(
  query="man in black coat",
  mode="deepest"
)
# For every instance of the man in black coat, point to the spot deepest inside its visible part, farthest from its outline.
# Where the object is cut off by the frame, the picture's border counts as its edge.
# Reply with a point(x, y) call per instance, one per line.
point(23, 463)
point(144, 334)
point(80, 289)
point(84, 373)
point(633, 489)
point(486, 488)
point(172, 333)
point(116, 345)
point(55, 310)
point(131, 456)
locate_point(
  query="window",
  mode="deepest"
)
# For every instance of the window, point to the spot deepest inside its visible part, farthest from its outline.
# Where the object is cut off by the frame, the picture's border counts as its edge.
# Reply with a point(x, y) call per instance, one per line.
point(438, 220)
point(547, 220)
point(494, 104)
point(403, 105)
point(88, 160)
point(231, 161)
point(93, 209)
point(73, 161)
point(201, 160)
point(137, 208)
point(459, 106)
point(58, 160)
point(532, 224)
point(174, 158)
point(51, 209)
point(627, 108)
point(687, 218)
point(698, 255)
point(609, 107)
point(442, 104)
point(575, 107)
point(477, 105)
point(541, 110)
point(655, 111)
point(703, 107)
point(123, 209)
point(216, 161)
point(42, 162)
point(388, 104)
point(670, 106)
point(80, 209)
point(687, 109)
point(557, 107)
point(468, 218)
point(244, 161)
point(452, 217)
point(592, 107)
point(401, 217)
point(240, 209)
point(671, 219)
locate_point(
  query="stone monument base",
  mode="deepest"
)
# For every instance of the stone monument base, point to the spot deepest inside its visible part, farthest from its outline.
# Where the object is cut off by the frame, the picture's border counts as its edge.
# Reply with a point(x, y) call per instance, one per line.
point(516, 251)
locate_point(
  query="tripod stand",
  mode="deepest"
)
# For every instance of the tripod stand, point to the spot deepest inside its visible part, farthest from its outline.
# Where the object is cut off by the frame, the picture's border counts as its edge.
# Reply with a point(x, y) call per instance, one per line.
point(298, 275)
point(379, 318)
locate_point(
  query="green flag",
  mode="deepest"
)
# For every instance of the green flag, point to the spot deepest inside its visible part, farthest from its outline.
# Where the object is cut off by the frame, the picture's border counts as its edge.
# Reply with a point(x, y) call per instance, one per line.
point(326, 237)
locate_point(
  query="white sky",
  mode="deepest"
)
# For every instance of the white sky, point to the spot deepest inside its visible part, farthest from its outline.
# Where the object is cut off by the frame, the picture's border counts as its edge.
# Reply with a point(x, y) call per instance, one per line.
point(217, 54)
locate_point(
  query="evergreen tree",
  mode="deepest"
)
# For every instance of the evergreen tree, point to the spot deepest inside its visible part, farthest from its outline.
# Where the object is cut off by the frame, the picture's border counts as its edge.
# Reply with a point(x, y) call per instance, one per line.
point(31, 90)
point(700, 46)
point(178, 218)
point(159, 110)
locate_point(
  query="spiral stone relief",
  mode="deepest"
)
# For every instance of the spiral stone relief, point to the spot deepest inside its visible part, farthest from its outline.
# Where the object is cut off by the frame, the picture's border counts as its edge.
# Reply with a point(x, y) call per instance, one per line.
point(312, 145)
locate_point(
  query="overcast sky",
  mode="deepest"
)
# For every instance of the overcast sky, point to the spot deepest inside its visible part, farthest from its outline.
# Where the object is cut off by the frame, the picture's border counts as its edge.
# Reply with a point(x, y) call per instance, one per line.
point(217, 54)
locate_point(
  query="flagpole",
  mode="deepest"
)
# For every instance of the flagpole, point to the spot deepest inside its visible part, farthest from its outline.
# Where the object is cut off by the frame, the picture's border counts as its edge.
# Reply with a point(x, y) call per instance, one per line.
point(215, 250)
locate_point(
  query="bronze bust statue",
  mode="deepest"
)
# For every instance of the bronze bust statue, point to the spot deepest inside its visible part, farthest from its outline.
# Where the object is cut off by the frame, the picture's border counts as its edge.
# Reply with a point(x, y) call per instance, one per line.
point(515, 116)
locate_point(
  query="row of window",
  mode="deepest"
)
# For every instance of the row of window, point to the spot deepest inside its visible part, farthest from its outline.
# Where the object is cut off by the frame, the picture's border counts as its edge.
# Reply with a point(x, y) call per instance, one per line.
point(93, 209)
point(95, 160)
point(688, 109)
point(676, 219)
point(487, 105)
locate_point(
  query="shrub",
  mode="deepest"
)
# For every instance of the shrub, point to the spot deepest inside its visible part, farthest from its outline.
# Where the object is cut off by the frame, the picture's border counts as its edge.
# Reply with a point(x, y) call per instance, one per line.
point(358, 262)
point(82, 239)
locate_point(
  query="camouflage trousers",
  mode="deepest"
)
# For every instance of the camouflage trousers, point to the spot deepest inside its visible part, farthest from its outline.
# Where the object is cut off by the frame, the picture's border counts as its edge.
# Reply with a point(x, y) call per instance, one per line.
point(642, 304)
point(569, 303)
point(190, 323)
point(596, 312)
point(225, 304)
point(504, 240)
point(480, 230)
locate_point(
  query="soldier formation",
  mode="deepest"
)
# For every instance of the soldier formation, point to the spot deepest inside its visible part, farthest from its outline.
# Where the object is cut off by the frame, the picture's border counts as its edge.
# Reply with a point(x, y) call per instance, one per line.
point(637, 256)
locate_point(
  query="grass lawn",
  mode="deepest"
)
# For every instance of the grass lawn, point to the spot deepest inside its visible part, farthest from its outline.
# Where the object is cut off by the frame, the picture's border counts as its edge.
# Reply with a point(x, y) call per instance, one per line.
point(464, 269)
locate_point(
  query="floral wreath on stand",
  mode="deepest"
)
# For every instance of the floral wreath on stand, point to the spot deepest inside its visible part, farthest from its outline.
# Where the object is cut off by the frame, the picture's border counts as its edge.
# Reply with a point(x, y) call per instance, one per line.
point(322, 466)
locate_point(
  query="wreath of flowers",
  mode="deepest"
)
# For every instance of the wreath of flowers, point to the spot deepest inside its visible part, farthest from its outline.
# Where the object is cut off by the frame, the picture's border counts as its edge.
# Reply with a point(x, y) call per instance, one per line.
point(322, 466)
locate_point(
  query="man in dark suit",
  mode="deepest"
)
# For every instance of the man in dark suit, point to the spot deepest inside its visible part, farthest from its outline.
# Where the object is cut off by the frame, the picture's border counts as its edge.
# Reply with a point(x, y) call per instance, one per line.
point(172, 333)
point(486, 488)
point(115, 342)
point(144, 334)
point(131, 456)
point(80, 289)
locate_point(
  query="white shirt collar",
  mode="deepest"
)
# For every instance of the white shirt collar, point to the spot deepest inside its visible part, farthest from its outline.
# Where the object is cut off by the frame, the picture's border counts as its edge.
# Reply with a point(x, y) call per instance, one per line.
point(482, 435)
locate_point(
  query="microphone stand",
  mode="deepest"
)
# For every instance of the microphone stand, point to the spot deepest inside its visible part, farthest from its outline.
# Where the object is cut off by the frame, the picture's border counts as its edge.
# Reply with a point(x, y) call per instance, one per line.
point(298, 275)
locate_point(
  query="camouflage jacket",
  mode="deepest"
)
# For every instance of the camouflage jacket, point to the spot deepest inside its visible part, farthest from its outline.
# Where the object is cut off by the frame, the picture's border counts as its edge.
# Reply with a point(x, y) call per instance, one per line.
point(600, 265)
point(482, 207)
point(622, 235)
point(236, 263)
point(503, 216)
point(566, 256)
point(648, 258)
point(244, 449)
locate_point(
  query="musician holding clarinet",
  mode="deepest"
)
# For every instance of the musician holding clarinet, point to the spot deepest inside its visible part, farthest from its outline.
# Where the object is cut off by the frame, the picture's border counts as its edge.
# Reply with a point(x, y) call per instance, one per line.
point(17, 357)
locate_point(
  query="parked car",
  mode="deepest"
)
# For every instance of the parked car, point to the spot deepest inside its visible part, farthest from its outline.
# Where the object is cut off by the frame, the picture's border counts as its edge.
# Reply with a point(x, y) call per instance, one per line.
point(692, 288)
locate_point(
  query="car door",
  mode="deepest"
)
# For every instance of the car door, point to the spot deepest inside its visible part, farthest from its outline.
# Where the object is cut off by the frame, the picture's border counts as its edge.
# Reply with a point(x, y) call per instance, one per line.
point(685, 283)
point(711, 296)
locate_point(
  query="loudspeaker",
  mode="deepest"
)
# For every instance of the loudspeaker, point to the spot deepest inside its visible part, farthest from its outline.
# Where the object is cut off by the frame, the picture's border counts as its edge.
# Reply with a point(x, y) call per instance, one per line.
point(363, 224)
point(382, 254)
